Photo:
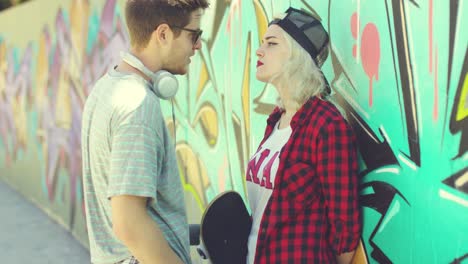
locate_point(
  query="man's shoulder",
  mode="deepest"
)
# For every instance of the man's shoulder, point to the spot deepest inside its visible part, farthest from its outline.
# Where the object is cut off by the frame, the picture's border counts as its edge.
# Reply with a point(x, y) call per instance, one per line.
point(125, 98)
point(130, 94)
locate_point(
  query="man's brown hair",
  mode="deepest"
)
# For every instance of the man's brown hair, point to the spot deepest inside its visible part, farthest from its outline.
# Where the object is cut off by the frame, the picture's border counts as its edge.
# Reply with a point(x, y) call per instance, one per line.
point(144, 16)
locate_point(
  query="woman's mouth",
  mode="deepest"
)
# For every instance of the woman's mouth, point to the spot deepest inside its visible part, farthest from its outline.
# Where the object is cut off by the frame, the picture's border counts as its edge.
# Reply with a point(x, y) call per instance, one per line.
point(259, 63)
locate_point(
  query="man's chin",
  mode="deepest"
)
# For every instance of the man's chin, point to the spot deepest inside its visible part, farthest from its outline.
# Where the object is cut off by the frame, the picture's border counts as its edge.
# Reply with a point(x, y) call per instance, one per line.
point(180, 71)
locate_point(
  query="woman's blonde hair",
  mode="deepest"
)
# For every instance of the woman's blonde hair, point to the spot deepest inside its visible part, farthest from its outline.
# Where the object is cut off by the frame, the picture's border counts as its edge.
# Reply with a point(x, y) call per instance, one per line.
point(300, 76)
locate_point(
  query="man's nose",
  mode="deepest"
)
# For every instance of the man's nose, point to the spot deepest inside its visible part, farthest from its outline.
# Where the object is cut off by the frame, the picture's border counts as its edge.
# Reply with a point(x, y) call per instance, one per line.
point(197, 45)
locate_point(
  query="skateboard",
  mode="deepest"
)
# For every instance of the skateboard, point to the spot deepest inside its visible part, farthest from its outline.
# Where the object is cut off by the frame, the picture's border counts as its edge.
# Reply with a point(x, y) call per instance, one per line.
point(225, 229)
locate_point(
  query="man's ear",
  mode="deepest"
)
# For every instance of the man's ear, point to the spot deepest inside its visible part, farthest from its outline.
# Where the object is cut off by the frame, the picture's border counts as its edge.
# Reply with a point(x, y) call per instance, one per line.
point(163, 34)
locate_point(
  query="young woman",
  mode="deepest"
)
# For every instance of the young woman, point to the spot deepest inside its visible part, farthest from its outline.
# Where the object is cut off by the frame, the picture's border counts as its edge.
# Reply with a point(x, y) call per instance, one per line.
point(302, 182)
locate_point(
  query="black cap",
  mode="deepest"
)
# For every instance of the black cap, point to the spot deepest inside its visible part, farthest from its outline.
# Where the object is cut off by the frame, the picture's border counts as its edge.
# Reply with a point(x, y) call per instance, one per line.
point(307, 31)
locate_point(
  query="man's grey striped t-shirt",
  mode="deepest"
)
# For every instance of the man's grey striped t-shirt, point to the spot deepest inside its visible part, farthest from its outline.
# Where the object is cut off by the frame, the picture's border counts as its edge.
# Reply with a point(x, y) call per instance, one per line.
point(127, 151)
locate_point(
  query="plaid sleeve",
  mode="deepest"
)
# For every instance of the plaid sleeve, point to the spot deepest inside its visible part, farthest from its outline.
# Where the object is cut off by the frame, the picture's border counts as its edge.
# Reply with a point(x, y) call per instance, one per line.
point(338, 172)
point(134, 161)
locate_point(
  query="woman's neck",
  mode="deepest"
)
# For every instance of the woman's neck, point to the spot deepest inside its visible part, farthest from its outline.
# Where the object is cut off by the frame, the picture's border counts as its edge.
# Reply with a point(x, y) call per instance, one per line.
point(286, 118)
point(285, 98)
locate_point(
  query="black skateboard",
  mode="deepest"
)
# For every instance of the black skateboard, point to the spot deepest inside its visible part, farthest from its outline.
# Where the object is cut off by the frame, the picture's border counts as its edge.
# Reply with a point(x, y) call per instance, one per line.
point(225, 229)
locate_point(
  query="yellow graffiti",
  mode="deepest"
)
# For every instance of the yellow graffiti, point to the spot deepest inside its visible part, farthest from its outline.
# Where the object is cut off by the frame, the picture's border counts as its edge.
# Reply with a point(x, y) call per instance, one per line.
point(246, 97)
point(462, 112)
point(209, 122)
point(203, 79)
point(193, 173)
point(360, 255)
point(262, 20)
point(79, 14)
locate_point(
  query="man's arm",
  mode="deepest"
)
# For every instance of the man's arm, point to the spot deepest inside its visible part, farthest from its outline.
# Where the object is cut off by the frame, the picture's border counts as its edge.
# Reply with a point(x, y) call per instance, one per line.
point(141, 234)
point(345, 258)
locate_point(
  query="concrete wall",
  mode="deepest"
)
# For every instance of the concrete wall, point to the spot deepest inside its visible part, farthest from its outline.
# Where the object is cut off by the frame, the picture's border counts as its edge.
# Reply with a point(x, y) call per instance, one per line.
point(398, 69)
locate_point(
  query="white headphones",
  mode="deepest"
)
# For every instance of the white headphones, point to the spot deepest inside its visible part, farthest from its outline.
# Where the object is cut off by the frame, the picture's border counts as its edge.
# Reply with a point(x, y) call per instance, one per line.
point(165, 85)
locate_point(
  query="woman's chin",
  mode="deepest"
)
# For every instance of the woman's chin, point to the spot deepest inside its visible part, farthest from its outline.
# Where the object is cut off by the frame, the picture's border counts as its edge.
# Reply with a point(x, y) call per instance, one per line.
point(261, 78)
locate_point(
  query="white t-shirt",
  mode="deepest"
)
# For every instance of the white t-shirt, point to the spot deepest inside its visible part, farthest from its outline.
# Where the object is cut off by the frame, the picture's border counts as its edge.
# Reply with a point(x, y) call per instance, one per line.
point(260, 179)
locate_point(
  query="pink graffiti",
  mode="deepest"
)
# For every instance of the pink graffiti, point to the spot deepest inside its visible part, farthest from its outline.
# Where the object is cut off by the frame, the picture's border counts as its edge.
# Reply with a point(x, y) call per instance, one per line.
point(57, 133)
point(370, 54)
point(107, 19)
point(235, 8)
point(63, 81)
point(14, 101)
point(430, 16)
point(110, 41)
point(106, 51)
point(435, 112)
point(354, 31)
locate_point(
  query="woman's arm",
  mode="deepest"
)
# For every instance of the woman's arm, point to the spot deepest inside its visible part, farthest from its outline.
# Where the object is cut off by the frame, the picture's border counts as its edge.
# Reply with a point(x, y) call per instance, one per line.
point(338, 173)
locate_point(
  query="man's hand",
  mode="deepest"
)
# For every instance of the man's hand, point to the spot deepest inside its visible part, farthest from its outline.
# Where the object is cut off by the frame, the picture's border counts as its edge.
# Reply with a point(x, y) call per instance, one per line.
point(345, 258)
point(135, 228)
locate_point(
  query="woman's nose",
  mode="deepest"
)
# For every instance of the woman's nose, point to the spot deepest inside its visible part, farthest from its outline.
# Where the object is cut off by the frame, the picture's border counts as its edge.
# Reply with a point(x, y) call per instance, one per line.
point(259, 52)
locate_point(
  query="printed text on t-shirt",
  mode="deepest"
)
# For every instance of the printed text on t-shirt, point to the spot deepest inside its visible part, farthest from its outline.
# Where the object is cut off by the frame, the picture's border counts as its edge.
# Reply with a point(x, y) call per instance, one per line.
point(254, 167)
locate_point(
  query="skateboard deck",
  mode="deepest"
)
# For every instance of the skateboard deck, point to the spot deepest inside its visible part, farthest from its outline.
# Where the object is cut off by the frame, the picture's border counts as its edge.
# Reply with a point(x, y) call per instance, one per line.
point(225, 229)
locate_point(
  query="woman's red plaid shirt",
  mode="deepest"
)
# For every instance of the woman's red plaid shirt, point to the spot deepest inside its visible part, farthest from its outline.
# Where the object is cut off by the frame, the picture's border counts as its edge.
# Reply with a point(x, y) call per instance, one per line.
point(313, 214)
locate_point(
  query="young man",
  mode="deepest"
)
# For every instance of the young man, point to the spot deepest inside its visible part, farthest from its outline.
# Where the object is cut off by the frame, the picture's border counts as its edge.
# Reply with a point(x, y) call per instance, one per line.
point(134, 199)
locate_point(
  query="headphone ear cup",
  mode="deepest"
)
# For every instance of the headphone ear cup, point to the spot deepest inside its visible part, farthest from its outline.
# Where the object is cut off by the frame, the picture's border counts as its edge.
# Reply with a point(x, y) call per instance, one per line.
point(165, 85)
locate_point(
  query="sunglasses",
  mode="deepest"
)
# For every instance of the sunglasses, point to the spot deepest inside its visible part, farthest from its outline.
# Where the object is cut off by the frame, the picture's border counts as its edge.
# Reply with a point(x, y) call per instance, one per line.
point(196, 34)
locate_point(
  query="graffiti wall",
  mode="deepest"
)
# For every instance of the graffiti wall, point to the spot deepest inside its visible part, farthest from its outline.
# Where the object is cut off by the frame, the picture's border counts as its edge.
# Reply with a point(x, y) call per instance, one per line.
point(398, 70)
